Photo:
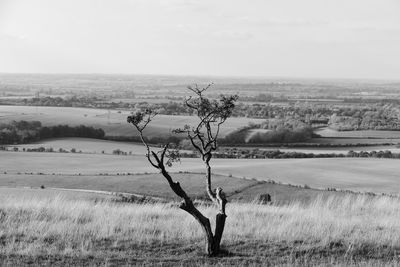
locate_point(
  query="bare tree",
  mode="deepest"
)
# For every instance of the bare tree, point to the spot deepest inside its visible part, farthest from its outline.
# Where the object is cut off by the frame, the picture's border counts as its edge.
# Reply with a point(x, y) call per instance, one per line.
point(203, 137)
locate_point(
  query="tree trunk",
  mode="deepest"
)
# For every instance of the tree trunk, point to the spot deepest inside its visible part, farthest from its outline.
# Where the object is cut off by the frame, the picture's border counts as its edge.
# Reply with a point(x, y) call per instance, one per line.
point(213, 241)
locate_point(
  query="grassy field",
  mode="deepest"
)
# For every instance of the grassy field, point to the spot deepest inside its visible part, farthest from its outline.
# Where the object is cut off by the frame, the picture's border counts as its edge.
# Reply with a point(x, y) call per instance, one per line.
point(27, 193)
point(154, 185)
point(113, 122)
point(359, 174)
point(143, 184)
point(351, 230)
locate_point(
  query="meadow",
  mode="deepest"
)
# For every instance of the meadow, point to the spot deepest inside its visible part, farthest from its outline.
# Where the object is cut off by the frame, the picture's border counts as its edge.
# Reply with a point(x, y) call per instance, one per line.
point(358, 174)
point(351, 230)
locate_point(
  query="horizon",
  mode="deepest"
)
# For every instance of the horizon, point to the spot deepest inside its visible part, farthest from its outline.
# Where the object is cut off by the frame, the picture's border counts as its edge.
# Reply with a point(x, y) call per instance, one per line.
point(261, 79)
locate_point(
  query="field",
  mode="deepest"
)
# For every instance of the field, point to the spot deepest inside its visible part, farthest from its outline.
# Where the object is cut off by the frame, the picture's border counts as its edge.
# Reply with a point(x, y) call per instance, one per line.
point(86, 145)
point(353, 141)
point(142, 184)
point(32, 193)
point(96, 146)
point(154, 185)
point(113, 122)
point(334, 150)
point(57, 231)
point(340, 150)
point(327, 132)
point(359, 174)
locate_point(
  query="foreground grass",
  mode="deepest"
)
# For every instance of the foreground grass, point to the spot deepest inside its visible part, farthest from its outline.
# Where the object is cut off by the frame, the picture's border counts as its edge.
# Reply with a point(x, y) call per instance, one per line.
point(351, 230)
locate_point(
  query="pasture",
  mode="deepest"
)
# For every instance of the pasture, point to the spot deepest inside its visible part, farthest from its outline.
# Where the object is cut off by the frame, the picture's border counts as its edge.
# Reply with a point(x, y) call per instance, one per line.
point(58, 231)
point(359, 174)
point(113, 122)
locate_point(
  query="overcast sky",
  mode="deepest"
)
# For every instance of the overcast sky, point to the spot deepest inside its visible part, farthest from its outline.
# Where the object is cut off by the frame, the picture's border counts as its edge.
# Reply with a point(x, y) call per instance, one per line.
point(290, 38)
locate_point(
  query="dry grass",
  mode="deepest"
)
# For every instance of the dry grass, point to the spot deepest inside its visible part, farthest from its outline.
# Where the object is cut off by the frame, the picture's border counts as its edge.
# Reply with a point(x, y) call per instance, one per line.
point(352, 228)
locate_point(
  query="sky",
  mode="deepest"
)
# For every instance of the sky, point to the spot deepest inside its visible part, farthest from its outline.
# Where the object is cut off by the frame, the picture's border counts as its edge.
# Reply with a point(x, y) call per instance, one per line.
point(265, 38)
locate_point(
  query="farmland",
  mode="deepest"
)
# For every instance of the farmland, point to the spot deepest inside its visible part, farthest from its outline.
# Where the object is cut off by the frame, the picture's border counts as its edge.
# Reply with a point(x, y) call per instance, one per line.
point(96, 146)
point(113, 122)
point(326, 132)
point(338, 150)
point(359, 174)
point(86, 145)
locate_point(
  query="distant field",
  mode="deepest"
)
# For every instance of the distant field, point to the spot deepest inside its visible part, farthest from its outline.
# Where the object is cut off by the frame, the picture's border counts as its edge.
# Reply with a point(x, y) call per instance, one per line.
point(87, 145)
point(327, 132)
point(353, 141)
point(113, 122)
point(337, 150)
point(148, 100)
point(363, 174)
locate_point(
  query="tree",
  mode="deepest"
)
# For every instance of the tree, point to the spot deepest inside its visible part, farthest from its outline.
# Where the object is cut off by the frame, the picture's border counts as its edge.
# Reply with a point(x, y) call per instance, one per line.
point(204, 138)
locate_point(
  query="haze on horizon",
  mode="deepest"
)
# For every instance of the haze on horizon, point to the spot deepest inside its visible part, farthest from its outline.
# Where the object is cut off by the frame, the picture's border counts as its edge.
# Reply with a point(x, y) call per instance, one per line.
point(288, 38)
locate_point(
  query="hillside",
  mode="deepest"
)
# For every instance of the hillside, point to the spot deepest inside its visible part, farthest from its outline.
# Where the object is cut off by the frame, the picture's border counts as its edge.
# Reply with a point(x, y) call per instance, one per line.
point(335, 231)
point(154, 185)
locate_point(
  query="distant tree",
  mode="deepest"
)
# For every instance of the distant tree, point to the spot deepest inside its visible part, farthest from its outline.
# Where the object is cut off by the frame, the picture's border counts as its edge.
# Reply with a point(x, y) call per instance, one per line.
point(203, 137)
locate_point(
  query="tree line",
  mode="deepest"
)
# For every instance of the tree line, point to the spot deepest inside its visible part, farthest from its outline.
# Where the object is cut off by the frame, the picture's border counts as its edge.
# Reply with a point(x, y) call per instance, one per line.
point(22, 132)
point(277, 154)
